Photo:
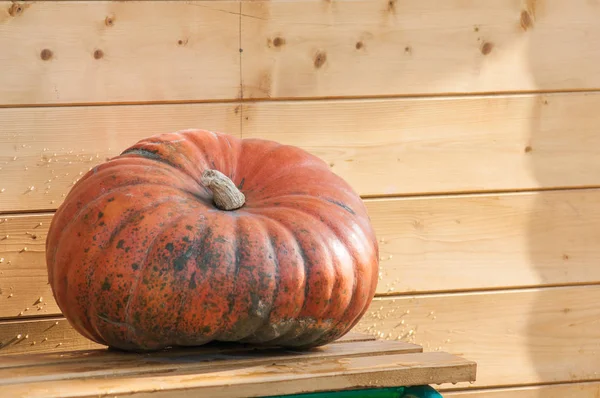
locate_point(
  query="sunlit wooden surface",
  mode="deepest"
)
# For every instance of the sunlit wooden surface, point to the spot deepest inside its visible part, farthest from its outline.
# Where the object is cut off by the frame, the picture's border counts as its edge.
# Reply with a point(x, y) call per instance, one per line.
point(470, 128)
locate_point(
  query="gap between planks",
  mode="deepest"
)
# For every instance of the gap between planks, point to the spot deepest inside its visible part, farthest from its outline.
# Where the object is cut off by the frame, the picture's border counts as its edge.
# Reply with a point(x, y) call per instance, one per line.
point(406, 196)
point(496, 391)
point(488, 289)
point(248, 101)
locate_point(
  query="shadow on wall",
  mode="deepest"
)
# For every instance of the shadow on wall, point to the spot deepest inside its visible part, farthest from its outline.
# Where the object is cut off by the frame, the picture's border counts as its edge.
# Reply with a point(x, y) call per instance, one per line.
point(556, 333)
point(564, 229)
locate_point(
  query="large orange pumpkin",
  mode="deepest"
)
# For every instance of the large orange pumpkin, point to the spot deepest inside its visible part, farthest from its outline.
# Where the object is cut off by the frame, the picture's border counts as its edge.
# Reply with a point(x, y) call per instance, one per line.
point(193, 236)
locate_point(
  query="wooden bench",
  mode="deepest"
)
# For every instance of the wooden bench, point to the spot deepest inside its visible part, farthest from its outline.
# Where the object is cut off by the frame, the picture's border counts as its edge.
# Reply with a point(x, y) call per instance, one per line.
point(220, 370)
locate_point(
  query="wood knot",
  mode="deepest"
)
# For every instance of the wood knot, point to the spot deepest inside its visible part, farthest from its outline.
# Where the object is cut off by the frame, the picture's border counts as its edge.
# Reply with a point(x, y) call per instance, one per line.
point(487, 48)
point(320, 59)
point(98, 54)
point(46, 54)
point(182, 42)
point(526, 21)
point(359, 45)
point(391, 7)
point(278, 41)
point(109, 21)
point(15, 9)
point(407, 49)
point(528, 149)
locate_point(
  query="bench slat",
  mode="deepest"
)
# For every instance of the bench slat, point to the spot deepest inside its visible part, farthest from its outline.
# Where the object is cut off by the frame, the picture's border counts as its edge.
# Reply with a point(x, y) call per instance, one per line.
point(272, 377)
point(100, 363)
point(351, 337)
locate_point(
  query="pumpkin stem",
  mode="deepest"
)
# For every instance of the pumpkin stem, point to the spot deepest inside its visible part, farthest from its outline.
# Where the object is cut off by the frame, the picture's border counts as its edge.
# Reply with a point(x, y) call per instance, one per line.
point(225, 194)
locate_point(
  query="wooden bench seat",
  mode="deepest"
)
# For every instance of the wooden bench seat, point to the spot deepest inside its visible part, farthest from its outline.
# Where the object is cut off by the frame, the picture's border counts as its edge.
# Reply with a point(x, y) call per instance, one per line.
point(221, 370)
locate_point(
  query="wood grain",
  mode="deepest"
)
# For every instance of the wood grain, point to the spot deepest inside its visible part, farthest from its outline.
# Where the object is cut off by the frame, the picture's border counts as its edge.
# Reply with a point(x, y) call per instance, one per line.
point(44, 150)
point(470, 242)
point(291, 49)
point(442, 243)
point(571, 390)
point(37, 336)
point(24, 288)
point(423, 146)
point(311, 375)
point(312, 48)
point(529, 336)
point(106, 51)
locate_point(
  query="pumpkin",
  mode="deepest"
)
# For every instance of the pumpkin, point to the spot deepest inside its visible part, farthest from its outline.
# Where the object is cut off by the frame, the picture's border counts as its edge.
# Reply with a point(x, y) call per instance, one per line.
point(191, 237)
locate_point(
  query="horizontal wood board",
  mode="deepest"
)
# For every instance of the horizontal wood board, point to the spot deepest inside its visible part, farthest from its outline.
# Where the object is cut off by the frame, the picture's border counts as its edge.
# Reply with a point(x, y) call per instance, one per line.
point(315, 48)
point(516, 337)
point(24, 288)
point(571, 390)
point(37, 336)
point(291, 49)
point(442, 145)
point(43, 151)
point(381, 147)
point(441, 243)
point(472, 242)
point(118, 51)
point(18, 369)
point(310, 375)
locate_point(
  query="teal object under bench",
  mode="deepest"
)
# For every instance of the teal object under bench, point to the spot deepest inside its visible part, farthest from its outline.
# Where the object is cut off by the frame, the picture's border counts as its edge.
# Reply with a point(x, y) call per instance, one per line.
point(390, 392)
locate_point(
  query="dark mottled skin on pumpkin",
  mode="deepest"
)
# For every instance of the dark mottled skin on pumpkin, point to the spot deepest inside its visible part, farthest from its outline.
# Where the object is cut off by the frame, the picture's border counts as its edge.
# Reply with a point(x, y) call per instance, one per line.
point(139, 257)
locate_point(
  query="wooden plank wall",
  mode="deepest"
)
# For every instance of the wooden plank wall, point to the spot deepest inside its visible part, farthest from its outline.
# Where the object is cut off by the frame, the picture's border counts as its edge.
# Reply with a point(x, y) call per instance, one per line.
point(470, 127)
